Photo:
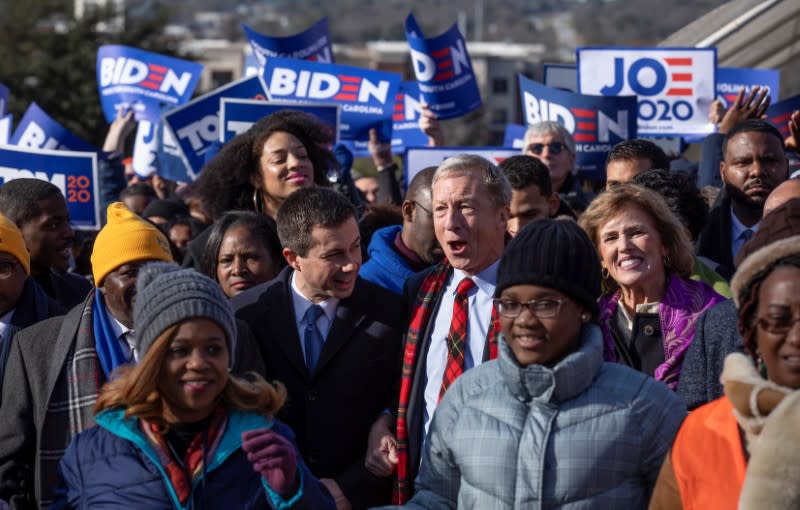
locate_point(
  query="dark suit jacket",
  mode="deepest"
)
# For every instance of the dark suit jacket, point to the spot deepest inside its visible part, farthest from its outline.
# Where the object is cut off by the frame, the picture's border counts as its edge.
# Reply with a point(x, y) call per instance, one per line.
point(416, 405)
point(356, 378)
point(715, 241)
point(68, 289)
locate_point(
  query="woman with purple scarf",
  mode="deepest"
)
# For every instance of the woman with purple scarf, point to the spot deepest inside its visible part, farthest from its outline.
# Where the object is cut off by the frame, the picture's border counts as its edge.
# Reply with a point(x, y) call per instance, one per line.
point(650, 307)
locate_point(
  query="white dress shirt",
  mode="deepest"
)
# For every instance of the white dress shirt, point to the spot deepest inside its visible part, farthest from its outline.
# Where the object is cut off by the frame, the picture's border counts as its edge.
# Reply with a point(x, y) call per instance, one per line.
point(479, 320)
point(126, 341)
point(301, 304)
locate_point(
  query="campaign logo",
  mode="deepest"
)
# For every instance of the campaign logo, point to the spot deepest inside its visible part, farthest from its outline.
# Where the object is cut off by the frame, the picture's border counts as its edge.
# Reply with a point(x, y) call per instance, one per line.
point(780, 113)
point(444, 71)
point(675, 87)
point(730, 80)
point(37, 130)
point(144, 81)
point(595, 122)
point(322, 86)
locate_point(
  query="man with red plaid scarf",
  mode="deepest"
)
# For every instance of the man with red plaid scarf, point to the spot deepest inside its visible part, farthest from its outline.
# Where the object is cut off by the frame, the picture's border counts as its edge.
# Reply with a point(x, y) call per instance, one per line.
point(452, 325)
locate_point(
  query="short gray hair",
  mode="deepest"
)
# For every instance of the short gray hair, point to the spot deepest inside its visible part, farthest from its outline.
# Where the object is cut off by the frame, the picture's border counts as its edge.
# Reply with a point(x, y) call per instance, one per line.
point(496, 182)
point(550, 127)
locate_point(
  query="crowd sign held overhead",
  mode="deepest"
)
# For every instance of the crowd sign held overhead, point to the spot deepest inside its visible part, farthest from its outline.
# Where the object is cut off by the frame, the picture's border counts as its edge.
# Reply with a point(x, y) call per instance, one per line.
point(731, 79)
point(514, 136)
point(675, 86)
point(195, 125)
point(779, 113)
point(6, 126)
point(37, 130)
point(146, 82)
point(596, 123)
point(237, 115)
point(418, 158)
point(366, 97)
point(314, 44)
point(444, 71)
point(74, 173)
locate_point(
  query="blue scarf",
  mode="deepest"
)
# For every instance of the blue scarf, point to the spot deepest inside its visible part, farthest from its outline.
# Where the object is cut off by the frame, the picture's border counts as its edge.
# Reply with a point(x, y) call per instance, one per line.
point(109, 350)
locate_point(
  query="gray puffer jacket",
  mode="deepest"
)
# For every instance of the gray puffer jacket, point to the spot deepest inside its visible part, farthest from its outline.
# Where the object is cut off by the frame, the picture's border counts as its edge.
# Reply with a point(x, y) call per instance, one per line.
point(584, 434)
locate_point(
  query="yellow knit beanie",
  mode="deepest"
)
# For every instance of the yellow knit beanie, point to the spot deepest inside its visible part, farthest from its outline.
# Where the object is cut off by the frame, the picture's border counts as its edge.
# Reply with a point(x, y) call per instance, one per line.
point(11, 241)
point(126, 238)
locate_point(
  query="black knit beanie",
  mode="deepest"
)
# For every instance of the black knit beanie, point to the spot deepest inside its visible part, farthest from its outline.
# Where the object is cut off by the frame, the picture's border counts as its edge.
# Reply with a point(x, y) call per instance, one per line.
point(555, 254)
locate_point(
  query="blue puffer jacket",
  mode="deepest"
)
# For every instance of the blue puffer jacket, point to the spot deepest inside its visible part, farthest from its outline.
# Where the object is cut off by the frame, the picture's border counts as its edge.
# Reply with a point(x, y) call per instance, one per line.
point(386, 267)
point(112, 465)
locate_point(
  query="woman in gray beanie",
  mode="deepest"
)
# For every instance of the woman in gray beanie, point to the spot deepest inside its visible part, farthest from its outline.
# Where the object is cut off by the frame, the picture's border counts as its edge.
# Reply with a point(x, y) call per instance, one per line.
point(548, 424)
point(179, 430)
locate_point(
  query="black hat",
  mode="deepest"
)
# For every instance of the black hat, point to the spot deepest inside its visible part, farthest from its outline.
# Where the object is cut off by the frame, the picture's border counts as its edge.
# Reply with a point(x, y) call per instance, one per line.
point(556, 254)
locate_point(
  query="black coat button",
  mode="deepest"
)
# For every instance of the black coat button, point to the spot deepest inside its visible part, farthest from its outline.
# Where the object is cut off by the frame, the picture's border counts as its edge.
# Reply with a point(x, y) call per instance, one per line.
point(649, 330)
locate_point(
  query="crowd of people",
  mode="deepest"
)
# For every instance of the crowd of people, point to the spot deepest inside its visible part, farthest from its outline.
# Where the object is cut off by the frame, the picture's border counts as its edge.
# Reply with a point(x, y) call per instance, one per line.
point(493, 336)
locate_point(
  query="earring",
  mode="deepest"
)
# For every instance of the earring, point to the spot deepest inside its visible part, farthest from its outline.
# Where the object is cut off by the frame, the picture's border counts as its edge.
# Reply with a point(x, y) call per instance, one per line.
point(257, 201)
point(605, 273)
point(585, 317)
point(667, 262)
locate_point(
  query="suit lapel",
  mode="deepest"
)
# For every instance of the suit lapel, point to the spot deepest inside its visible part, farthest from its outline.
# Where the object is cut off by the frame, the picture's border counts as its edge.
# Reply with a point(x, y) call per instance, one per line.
point(284, 327)
point(349, 315)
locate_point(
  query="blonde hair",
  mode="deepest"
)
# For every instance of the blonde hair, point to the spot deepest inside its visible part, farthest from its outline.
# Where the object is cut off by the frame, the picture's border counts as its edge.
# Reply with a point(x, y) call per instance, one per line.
point(135, 388)
point(673, 233)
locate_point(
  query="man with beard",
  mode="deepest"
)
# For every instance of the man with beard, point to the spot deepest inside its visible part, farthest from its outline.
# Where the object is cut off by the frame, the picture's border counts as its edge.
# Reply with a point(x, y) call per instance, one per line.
point(753, 164)
point(55, 368)
point(396, 252)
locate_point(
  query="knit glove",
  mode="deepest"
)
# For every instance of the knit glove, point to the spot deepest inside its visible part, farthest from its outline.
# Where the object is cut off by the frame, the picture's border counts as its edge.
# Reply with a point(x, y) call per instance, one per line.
point(274, 457)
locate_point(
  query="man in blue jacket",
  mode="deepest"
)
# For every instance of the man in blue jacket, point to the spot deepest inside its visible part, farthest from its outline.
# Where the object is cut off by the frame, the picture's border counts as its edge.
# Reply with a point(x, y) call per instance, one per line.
point(396, 252)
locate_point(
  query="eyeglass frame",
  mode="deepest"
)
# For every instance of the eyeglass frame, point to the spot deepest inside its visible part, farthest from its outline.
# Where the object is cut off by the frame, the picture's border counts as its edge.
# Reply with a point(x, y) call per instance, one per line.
point(530, 305)
point(554, 147)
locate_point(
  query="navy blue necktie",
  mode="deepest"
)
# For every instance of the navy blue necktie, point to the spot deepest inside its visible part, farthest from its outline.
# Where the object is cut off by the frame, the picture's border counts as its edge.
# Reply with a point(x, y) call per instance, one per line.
point(312, 339)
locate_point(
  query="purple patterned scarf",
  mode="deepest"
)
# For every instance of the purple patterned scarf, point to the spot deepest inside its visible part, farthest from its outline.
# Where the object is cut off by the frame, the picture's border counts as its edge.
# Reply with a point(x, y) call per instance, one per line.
point(682, 305)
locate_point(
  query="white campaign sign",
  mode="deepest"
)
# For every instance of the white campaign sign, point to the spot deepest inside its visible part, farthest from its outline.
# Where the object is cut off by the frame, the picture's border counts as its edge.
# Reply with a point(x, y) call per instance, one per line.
point(419, 158)
point(675, 86)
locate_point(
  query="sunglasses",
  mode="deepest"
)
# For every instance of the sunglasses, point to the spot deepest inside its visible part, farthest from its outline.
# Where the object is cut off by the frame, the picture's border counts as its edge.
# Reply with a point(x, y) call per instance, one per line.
point(554, 147)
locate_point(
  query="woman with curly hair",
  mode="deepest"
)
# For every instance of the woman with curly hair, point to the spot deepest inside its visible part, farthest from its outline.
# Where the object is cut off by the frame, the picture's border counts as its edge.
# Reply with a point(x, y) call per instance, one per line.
point(258, 169)
point(178, 430)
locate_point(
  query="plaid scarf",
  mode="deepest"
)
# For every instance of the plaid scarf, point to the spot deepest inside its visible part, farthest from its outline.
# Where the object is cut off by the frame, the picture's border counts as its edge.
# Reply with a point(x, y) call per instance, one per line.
point(421, 314)
point(71, 406)
point(182, 473)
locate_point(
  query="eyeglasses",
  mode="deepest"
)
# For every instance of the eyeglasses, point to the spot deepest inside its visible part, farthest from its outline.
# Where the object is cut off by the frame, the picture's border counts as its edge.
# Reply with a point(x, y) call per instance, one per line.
point(540, 308)
point(554, 147)
point(417, 204)
point(777, 325)
point(7, 268)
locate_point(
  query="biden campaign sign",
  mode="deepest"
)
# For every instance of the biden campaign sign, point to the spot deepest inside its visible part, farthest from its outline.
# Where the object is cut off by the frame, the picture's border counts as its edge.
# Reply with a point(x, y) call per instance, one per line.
point(596, 123)
point(730, 80)
point(147, 82)
point(780, 113)
point(195, 125)
point(419, 158)
point(444, 71)
point(406, 114)
point(313, 44)
point(237, 115)
point(37, 130)
point(366, 97)
point(675, 86)
point(74, 173)
point(6, 125)
point(514, 136)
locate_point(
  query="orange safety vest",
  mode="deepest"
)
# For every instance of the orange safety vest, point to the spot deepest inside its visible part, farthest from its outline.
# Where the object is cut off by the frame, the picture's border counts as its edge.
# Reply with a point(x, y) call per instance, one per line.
point(708, 459)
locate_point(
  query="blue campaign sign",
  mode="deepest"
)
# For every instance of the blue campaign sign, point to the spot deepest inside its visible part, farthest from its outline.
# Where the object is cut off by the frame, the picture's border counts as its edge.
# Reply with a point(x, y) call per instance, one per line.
point(4, 94)
point(195, 125)
point(170, 158)
point(366, 96)
point(407, 111)
point(145, 149)
point(147, 82)
point(675, 86)
point(251, 65)
point(731, 79)
point(444, 71)
point(419, 158)
point(37, 130)
point(74, 173)
point(237, 115)
point(514, 136)
point(6, 126)
point(779, 113)
point(313, 44)
point(596, 122)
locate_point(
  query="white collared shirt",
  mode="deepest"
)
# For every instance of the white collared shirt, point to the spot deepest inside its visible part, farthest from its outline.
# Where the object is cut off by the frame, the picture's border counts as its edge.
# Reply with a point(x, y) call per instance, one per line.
point(737, 228)
point(126, 341)
point(479, 315)
point(302, 303)
point(5, 320)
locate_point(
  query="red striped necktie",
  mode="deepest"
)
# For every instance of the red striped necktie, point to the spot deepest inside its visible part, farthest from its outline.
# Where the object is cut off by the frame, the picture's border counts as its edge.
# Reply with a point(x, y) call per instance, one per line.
point(457, 338)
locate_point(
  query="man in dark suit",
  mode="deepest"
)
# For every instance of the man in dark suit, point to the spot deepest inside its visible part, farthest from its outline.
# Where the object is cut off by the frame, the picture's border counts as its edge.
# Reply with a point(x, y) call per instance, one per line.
point(332, 338)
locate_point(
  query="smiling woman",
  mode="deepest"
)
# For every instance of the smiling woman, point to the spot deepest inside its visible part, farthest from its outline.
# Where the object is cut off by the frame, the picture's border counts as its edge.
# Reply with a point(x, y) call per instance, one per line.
point(647, 260)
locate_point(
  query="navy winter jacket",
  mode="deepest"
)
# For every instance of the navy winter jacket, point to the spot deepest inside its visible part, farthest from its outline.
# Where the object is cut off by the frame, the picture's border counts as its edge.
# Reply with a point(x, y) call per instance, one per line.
point(112, 465)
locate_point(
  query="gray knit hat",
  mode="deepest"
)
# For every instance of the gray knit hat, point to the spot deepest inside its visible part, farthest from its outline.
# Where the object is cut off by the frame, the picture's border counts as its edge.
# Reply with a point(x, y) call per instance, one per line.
point(166, 295)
